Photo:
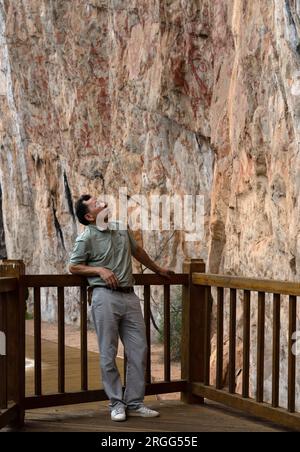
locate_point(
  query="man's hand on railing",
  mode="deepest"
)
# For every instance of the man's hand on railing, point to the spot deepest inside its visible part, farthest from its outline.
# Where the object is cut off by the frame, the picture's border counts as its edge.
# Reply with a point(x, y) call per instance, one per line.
point(165, 273)
point(109, 277)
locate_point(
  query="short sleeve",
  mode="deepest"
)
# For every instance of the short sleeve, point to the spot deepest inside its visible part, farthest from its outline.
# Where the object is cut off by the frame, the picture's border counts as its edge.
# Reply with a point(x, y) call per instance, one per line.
point(132, 241)
point(80, 253)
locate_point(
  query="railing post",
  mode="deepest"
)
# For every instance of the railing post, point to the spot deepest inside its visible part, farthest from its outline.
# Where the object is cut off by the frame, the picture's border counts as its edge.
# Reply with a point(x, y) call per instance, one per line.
point(16, 306)
point(193, 331)
point(3, 351)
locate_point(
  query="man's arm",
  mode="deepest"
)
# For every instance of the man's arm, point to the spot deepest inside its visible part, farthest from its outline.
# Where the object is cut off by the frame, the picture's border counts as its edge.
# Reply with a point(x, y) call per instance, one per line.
point(141, 255)
point(84, 270)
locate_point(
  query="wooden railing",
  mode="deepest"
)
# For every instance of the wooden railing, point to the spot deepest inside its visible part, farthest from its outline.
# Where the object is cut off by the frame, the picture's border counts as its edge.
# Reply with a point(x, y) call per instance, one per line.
point(61, 397)
point(196, 380)
point(254, 404)
point(11, 336)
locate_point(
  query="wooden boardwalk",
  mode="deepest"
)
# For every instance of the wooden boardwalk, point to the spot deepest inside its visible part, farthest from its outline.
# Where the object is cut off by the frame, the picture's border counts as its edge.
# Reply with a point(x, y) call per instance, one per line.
point(175, 417)
point(94, 417)
point(61, 378)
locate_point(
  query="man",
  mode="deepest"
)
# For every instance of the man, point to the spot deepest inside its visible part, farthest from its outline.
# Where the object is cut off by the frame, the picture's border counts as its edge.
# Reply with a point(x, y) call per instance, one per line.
point(103, 254)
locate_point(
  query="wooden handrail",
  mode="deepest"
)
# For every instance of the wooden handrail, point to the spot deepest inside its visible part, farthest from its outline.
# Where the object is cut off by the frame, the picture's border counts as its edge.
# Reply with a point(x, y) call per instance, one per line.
point(224, 389)
point(258, 285)
point(146, 279)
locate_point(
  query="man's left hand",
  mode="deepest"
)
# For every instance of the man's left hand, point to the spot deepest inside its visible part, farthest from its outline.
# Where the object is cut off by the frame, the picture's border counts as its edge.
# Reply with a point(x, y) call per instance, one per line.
point(165, 273)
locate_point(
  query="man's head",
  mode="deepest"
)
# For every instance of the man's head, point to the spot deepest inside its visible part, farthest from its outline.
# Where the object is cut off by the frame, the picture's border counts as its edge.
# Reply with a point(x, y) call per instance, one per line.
point(87, 208)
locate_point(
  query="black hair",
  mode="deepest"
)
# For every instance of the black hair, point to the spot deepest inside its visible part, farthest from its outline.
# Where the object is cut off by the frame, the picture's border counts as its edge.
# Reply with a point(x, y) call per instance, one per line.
point(82, 209)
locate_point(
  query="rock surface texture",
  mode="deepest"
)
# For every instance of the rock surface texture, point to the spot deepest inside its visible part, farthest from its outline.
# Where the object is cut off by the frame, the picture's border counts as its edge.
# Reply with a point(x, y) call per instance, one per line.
point(162, 97)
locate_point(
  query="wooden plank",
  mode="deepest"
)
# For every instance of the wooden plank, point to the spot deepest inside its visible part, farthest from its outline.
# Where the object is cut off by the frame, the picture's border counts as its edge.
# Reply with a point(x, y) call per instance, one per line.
point(249, 406)
point(83, 339)
point(276, 351)
point(207, 345)
point(3, 358)
point(61, 339)
point(53, 281)
point(147, 316)
point(80, 281)
point(8, 284)
point(193, 330)
point(14, 341)
point(232, 341)
point(51, 400)
point(175, 417)
point(167, 334)
point(291, 355)
point(9, 415)
point(148, 279)
point(20, 352)
point(166, 387)
point(260, 347)
point(67, 398)
point(37, 342)
point(246, 342)
point(220, 337)
point(255, 285)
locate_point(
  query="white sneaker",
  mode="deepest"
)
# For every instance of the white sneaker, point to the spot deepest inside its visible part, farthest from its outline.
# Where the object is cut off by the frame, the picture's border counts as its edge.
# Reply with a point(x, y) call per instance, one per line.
point(143, 411)
point(118, 414)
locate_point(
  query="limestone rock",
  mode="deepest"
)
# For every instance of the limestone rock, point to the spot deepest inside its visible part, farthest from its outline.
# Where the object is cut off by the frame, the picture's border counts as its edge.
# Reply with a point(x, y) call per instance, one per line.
point(161, 97)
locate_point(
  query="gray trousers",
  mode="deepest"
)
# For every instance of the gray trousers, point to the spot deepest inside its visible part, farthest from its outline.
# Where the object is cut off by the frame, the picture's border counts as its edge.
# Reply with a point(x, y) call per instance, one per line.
point(115, 315)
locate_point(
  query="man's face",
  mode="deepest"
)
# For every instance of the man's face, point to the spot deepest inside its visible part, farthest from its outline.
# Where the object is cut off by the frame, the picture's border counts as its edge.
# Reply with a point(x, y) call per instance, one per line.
point(94, 208)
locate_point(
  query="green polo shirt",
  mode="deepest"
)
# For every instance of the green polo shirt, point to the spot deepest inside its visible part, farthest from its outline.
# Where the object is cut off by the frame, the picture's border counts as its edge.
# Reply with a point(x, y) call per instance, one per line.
point(110, 249)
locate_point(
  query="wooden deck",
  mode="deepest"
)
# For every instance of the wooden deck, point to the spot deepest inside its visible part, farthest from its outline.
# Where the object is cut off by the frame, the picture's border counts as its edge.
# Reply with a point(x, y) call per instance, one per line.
point(94, 417)
point(64, 374)
point(175, 417)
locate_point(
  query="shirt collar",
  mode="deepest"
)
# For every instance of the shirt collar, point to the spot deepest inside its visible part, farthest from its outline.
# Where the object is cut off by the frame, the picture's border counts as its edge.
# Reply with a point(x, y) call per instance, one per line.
point(99, 229)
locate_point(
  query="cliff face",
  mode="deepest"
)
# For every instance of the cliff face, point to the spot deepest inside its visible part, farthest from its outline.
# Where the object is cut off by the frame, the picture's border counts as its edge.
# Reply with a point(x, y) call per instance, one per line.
point(96, 96)
point(148, 94)
point(255, 131)
point(3, 254)
point(163, 97)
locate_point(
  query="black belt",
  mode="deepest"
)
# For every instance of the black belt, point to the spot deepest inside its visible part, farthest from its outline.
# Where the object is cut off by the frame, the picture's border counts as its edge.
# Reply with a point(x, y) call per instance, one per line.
point(118, 289)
